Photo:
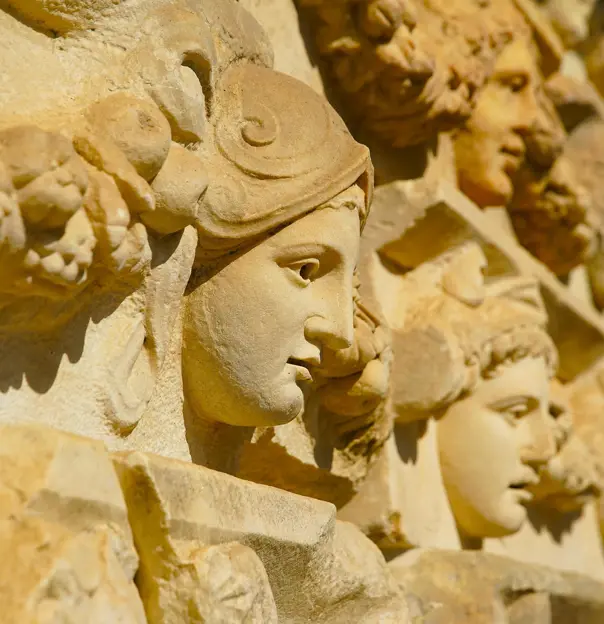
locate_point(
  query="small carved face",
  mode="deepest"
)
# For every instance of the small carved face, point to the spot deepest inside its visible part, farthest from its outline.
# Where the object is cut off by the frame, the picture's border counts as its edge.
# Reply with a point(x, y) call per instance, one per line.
point(255, 328)
point(490, 444)
point(553, 206)
point(490, 148)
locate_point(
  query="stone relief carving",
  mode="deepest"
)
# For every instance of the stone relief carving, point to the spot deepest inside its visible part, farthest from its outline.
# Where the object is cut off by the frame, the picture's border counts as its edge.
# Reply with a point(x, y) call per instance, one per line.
point(409, 69)
point(551, 201)
point(570, 479)
point(152, 224)
point(139, 187)
point(498, 360)
point(190, 317)
point(490, 147)
point(422, 277)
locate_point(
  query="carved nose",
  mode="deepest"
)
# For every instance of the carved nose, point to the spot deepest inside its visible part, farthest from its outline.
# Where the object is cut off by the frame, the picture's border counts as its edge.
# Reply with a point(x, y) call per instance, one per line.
point(540, 447)
point(331, 334)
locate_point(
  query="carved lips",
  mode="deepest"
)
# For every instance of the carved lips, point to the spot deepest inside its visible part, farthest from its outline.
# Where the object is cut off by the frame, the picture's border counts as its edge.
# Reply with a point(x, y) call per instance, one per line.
point(303, 368)
point(528, 478)
point(513, 152)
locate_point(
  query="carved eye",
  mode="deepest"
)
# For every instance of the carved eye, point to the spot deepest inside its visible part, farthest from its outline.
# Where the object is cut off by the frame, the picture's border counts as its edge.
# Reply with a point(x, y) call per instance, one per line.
point(514, 411)
point(305, 270)
point(517, 411)
point(516, 83)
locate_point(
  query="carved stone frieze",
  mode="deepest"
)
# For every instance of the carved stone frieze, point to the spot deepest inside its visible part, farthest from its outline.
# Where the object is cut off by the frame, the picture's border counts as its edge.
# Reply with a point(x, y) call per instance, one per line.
point(236, 378)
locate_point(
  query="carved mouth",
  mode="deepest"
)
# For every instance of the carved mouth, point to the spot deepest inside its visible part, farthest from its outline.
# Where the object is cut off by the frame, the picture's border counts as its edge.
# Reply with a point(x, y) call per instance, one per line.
point(516, 151)
point(521, 494)
point(520, 486)
point(302, 369)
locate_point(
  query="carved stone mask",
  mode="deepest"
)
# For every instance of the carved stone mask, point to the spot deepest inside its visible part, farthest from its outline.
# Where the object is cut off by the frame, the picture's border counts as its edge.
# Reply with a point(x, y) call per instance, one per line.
point(275, 285)
point(253, 330)
point(490, 148)
point(479, 361)
point(489, 444)
point(553, 206)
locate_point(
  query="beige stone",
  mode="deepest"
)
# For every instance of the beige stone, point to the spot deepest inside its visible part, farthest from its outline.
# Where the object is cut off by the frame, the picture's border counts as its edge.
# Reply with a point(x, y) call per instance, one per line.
point(66, 546)
point(570, 18)
point(155, 172)
point(491, 145)
point(280, 20)
point(554, 199)
point(328, 451)
point(408, 229)
point(197, 512)
point(168, 193)
point(183, 281)
point(407, 70)
point(478, 588)
point(403, 503)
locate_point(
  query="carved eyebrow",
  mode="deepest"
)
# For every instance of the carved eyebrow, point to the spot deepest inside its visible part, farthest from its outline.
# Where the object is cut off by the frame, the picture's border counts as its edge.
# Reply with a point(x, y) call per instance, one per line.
point(309, 249)
point(505, 403)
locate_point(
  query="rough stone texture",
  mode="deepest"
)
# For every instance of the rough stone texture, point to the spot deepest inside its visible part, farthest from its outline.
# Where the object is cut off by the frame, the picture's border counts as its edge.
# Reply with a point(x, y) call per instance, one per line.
point(477, 588)
point(66, 548)
point(407, 70)
point(570, 18)
point(336, 572)
point(280, 20)
point(406, 502)
point(183, 283)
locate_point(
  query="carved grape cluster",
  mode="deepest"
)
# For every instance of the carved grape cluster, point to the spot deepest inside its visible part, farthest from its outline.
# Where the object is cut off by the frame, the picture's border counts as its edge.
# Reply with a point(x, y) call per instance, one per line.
point(74, 212)
point(46, 239)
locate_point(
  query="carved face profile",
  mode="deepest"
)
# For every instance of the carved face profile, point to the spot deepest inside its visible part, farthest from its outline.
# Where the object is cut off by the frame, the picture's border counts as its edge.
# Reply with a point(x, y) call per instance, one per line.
point(570, 478)
point(279, 237)
point(257, 327)
point(490, 148)
point(489, 390)
point(550, 206)
point(408, 69)
point(490, 443)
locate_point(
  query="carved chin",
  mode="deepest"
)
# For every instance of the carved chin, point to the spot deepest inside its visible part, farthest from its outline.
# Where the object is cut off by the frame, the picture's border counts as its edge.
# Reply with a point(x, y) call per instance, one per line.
point(492, 189)
point(273, 407)
point(505, 517)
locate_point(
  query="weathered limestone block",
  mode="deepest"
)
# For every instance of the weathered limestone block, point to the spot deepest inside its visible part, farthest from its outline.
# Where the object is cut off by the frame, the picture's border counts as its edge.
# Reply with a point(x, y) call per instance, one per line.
point(403, 504)
point(478, 588)
point(319, 570)
point(66, 549)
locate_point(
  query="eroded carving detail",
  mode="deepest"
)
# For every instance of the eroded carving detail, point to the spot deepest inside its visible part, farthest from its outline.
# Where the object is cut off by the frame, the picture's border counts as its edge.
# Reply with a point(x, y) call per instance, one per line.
point(410, 68)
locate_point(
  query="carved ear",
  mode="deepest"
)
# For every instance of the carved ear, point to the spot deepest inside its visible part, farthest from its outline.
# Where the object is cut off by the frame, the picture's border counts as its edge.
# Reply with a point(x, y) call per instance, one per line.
point(134, 373)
